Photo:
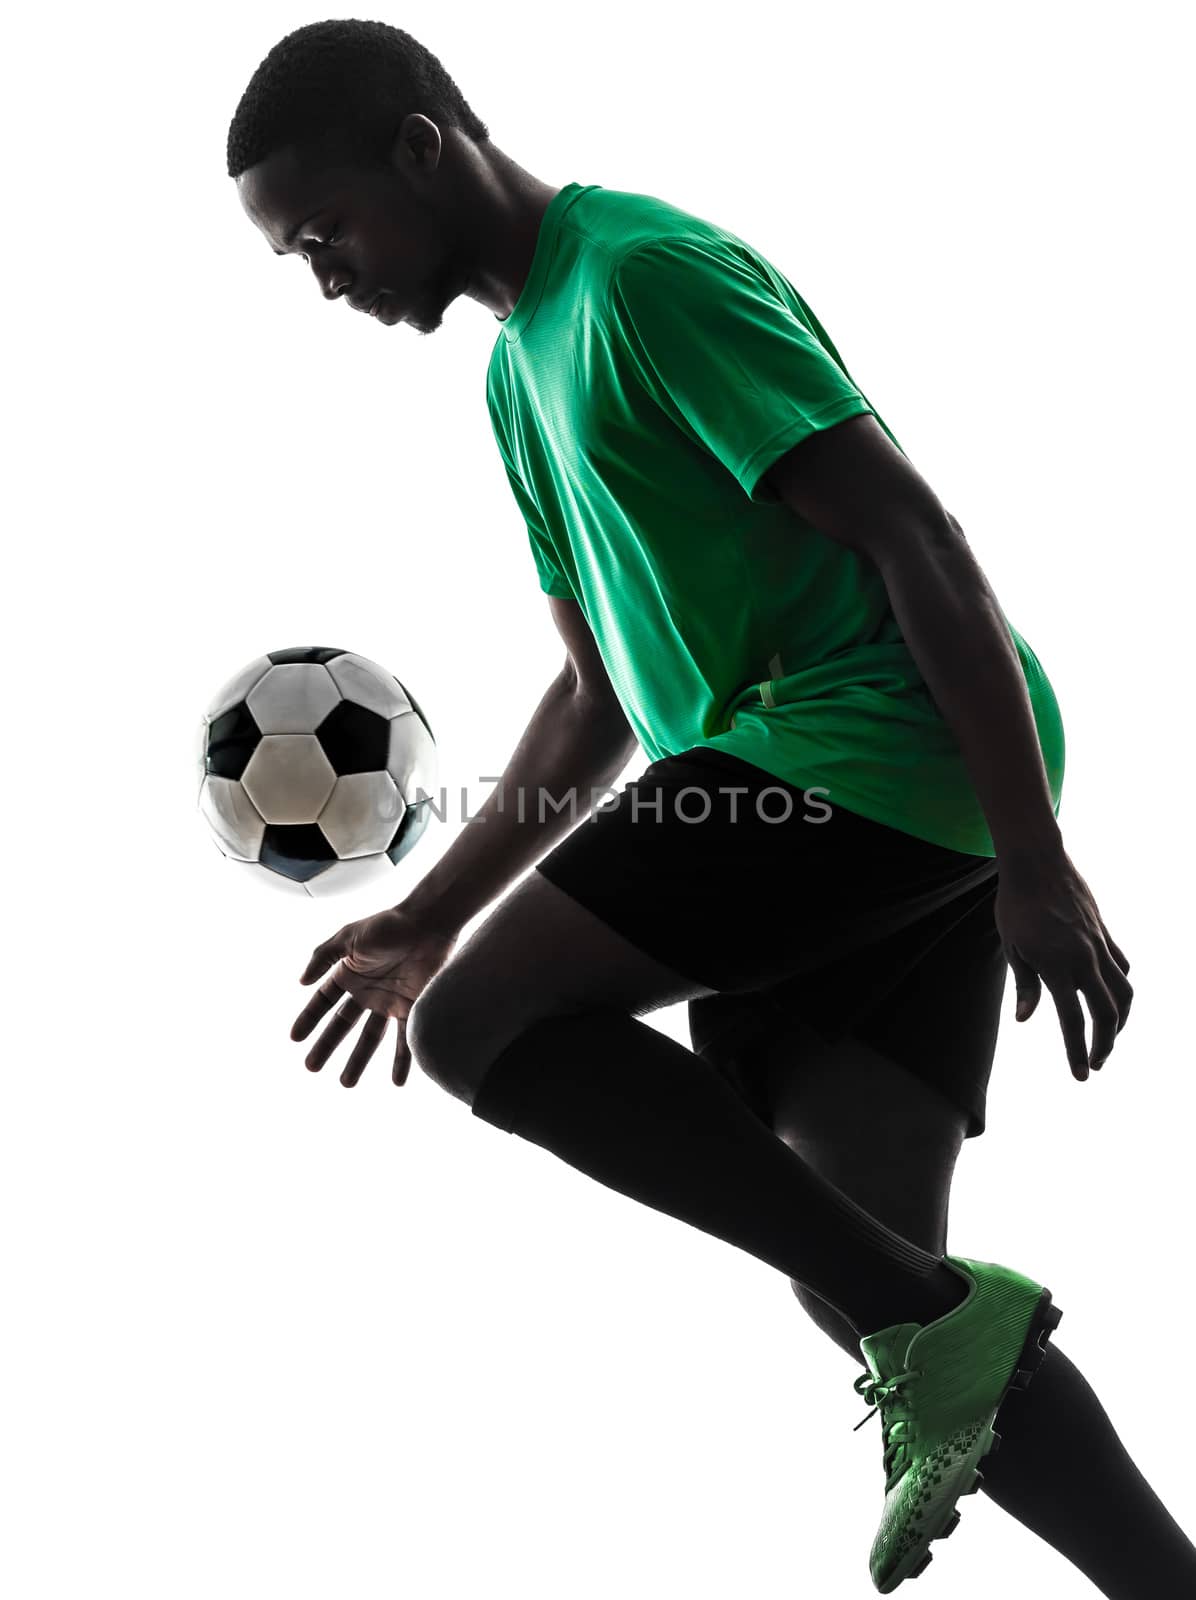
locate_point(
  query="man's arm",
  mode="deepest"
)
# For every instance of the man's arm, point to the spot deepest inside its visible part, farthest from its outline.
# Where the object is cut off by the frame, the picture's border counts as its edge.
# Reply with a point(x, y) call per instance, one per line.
point(584, 664)
point(852, 483)
point(578, 741)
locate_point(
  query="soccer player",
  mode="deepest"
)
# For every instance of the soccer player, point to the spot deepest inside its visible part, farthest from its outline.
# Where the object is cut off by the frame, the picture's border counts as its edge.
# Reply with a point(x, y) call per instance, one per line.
point(847, 832)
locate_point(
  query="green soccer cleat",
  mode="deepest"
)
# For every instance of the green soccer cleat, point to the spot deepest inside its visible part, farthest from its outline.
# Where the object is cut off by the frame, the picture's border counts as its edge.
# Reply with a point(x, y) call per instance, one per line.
point(940, 1388)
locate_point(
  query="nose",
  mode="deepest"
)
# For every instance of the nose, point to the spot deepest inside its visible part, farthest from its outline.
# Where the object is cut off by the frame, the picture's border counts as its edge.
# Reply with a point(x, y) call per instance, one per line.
point(333, 280)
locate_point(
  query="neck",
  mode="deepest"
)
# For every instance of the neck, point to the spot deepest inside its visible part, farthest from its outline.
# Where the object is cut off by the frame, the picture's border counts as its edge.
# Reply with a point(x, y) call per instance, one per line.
point(504, 207)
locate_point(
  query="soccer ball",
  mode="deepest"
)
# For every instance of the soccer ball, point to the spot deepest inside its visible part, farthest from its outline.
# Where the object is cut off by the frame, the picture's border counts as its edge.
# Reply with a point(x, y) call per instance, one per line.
point(316, 769)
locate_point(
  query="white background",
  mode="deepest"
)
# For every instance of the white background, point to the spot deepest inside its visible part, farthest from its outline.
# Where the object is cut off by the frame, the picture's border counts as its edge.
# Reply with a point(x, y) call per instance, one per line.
point(265, 1337)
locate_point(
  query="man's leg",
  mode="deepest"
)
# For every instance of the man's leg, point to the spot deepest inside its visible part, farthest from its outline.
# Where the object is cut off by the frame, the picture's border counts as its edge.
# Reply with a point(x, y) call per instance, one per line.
point(1061, 1469)
point(532, 1023)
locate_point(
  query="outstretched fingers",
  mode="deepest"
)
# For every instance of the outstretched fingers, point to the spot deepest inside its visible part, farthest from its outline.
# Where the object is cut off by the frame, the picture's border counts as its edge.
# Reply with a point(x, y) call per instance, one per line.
point(320, 1004)
point(322, 957)
point(1071, 1020)
point(1102, 1008)
point(1118, 953)
point(402, 1062)
point(343, 1021)
point(1117, 980)
point(371, 1038)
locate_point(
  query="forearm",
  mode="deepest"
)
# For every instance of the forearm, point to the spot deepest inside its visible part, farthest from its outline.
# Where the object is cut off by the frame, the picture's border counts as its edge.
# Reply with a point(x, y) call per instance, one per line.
point(954, 628)
point(571, 747)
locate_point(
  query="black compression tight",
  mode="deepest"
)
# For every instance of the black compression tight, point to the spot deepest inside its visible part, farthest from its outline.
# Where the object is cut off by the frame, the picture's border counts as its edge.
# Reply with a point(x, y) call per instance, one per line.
point(1061, 1469)
point(855, 1214)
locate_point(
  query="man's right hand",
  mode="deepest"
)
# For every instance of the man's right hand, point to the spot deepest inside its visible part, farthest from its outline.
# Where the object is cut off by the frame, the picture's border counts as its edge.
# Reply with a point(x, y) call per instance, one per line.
point(384, 962)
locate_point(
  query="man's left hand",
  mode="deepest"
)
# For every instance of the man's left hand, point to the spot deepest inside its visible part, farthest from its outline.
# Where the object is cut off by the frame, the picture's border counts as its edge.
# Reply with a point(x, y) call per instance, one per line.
point(1052, 933)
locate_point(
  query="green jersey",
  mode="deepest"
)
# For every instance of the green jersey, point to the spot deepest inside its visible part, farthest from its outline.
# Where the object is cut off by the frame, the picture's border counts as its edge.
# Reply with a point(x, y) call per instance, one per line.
point(652, 370)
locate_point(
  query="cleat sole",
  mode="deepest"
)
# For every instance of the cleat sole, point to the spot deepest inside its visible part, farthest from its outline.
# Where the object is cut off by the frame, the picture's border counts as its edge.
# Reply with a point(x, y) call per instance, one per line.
point(1047, 1317)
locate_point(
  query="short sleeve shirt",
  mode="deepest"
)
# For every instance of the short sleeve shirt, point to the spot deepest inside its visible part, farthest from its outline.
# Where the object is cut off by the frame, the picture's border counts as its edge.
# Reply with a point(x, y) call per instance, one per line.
point(653, 368)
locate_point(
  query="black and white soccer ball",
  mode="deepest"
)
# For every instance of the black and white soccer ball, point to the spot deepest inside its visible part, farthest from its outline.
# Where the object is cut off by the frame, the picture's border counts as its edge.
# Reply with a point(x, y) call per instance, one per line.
point(317, 769)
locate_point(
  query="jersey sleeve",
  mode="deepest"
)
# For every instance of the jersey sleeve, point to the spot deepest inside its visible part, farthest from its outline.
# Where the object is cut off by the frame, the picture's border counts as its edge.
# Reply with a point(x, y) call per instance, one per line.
point(548, 567)
point(725, 355)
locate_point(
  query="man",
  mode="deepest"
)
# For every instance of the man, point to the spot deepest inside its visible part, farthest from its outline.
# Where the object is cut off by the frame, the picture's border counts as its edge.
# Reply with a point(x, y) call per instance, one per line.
point(754, 584)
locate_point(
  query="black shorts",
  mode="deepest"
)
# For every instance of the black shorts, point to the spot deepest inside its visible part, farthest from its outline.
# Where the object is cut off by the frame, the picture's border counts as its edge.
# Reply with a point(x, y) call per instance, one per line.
point(789, 908)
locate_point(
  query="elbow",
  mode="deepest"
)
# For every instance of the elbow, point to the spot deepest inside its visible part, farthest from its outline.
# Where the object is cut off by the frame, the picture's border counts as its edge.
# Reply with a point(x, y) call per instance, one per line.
point(909, 541)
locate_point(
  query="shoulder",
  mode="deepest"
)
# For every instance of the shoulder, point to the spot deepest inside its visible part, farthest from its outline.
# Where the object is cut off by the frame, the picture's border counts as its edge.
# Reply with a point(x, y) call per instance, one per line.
point(685, 263)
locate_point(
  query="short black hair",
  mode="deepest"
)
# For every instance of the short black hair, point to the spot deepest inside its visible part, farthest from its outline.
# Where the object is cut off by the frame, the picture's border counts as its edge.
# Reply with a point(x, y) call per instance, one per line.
point(347, 84)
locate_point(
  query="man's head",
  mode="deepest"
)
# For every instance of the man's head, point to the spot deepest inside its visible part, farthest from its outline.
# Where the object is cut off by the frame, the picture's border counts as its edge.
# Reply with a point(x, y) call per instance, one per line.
point(354, 131)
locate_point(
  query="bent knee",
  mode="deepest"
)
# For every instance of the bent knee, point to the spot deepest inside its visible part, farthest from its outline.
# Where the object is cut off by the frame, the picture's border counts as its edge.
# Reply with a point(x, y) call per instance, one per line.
point(446, 1039)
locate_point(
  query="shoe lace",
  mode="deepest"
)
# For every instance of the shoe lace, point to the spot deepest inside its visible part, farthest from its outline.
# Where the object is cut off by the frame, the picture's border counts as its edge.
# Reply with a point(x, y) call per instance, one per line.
point(886, 1395)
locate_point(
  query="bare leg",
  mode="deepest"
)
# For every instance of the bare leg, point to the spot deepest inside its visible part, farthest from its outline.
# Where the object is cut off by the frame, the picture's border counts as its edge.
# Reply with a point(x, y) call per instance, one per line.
point(1061, 1470)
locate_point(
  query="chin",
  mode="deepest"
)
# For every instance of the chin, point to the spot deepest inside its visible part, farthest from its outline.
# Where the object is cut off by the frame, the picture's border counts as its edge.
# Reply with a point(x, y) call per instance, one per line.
point(425, 324)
